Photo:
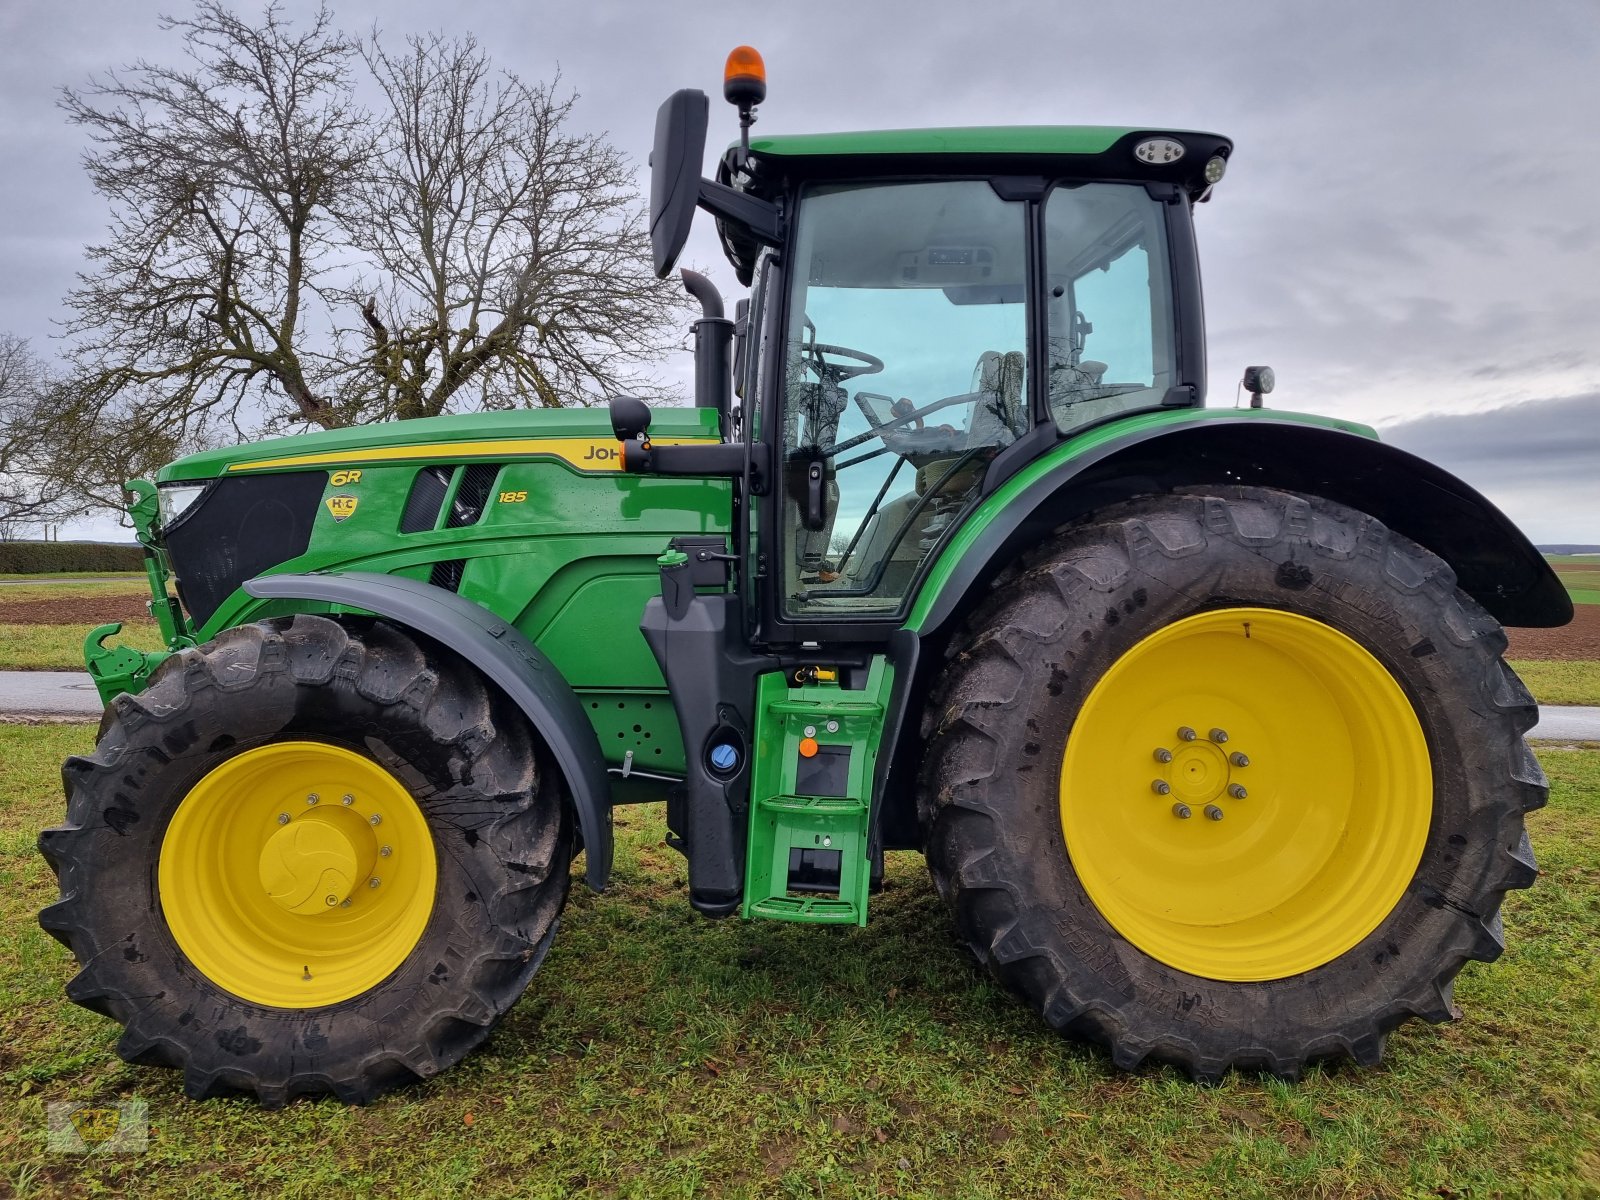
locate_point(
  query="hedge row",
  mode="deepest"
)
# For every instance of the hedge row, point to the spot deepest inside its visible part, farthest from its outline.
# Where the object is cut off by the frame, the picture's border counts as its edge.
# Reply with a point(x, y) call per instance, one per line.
point(40, 558)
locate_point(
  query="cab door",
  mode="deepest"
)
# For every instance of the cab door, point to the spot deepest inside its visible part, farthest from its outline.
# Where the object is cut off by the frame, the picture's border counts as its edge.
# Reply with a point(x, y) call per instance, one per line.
point(903, 372)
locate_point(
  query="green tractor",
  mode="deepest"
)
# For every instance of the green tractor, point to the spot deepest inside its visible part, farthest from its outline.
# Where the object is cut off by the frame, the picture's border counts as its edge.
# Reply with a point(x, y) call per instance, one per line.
point(1197, 714)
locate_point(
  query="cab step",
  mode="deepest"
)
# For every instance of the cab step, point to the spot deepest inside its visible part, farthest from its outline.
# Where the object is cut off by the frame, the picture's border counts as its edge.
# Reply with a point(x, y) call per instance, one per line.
point(818, 910)
point(816, 750)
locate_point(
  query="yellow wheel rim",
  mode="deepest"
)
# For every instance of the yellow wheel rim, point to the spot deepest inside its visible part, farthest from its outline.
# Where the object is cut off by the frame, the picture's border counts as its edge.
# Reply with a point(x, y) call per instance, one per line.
point(297, 874)
point(1307, 810)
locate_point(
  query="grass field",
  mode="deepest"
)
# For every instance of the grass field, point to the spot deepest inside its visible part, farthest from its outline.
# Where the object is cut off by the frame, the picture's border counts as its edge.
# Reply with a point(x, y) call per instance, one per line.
point(1561, 682)
point(60, 647)
point(661, 1055)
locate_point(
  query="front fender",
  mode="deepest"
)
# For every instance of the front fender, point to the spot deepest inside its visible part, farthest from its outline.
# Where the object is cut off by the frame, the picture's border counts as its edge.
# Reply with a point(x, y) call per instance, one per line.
point(504, 656)
point(1494, 562)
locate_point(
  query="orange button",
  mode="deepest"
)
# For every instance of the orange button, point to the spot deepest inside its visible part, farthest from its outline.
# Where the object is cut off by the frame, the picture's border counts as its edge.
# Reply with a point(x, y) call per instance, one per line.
point(808, 747)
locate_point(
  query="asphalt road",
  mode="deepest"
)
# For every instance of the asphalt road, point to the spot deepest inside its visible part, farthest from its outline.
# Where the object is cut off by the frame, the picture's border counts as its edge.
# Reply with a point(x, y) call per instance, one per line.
point(48, 696)
point(70, 696)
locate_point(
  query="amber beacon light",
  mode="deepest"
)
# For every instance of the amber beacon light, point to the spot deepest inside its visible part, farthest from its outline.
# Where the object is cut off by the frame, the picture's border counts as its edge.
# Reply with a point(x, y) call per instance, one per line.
point(744, 82)
point(744, 79)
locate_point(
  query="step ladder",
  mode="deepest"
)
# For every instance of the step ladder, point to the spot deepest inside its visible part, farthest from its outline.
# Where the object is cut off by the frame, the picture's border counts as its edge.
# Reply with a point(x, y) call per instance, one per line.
point(816, 748)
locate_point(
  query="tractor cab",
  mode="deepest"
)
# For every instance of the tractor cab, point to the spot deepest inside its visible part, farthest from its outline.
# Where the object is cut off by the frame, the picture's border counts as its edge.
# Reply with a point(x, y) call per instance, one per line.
point(930, 310)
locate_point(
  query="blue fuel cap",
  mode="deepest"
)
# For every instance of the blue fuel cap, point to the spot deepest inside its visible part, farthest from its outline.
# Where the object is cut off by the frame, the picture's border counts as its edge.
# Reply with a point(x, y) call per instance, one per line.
point(724, 757)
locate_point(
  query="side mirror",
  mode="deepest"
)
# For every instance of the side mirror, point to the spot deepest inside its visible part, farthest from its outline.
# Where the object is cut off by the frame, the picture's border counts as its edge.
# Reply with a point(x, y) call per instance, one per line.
point(675, 174)
point(630, 418)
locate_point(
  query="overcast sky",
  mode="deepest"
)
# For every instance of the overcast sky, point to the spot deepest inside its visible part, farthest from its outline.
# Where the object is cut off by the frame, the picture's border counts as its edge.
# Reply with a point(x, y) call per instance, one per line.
point(1409, 231)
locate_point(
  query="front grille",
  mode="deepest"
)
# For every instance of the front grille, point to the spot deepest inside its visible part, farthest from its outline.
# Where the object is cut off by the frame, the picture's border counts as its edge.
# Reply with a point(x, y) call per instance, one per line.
point(242, 526)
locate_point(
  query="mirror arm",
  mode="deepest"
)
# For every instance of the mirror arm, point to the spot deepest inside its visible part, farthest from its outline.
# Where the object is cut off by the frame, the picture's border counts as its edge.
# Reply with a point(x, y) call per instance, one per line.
point(641, 457)
point(762, 218)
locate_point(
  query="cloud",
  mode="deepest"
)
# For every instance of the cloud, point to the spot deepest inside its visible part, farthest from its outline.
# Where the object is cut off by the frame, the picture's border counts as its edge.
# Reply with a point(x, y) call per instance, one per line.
point(1539, 461)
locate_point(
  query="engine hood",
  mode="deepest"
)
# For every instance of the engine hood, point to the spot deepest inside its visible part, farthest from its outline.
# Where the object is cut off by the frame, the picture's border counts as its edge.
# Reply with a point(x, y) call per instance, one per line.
point(439, 438)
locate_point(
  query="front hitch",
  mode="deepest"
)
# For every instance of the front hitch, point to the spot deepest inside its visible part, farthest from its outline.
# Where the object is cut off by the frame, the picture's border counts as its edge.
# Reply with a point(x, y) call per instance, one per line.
point(118, 669)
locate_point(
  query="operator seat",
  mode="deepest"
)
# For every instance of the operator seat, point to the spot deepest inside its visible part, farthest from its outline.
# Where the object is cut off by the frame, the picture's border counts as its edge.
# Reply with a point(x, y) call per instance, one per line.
point(998, 418)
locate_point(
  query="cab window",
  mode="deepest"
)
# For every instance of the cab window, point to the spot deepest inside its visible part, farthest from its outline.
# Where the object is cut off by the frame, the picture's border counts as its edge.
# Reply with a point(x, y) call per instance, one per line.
point(1110, 303)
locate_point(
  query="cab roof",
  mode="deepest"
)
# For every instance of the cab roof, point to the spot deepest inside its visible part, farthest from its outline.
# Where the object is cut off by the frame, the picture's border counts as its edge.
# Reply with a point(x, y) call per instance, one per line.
point(1188, 159)
point(1066, 152)
point(977, 139)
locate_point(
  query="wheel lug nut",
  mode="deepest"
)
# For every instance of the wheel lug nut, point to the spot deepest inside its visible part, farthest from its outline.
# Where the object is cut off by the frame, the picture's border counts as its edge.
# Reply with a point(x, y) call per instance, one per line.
point(376, 819)
point(1239, 759)
point(374, 882)
point(1237, 791)
point(1213, 812)
point(347, 800)
point(1163, 755)
point(1181, 811)
point(346, 904)
point(283, 818)
point(313, 798)
point(385, 851)
point(1219, 735)
point(1185, 734)
point(1160, 787)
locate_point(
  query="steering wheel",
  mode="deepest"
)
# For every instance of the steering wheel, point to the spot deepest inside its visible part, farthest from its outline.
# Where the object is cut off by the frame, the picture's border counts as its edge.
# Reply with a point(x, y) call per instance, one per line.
point(863, 364)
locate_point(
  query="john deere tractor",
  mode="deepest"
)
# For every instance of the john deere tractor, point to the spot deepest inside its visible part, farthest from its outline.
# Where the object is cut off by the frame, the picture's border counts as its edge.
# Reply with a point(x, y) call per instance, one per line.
point(1197, 714)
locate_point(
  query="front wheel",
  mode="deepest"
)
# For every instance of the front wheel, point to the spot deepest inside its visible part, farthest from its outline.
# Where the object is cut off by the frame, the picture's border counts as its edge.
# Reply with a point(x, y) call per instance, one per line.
point(310, 857)
point(1233, 778)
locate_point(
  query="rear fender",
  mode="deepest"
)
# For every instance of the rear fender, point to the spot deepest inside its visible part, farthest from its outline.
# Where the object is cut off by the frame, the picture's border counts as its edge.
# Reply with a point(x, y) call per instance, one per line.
point(505, 657)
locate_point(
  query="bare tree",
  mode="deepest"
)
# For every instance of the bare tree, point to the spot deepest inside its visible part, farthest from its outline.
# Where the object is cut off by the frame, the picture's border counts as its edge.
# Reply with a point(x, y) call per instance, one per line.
point(87, 446)
point(277, 255)
point(28, 496)
point(222, 179)
point(510, 251)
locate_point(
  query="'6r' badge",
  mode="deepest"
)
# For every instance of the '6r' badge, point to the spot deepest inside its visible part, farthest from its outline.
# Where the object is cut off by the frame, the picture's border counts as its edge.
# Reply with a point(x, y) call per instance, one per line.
point(342, 507)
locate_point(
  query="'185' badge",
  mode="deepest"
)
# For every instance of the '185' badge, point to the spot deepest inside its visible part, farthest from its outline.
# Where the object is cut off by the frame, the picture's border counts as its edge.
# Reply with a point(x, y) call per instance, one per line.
point(342, 507)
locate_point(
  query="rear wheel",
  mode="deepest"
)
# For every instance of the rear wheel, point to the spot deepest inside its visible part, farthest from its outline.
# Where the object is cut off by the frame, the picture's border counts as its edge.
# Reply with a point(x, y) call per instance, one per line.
point(1230, 779)
point(310, 857)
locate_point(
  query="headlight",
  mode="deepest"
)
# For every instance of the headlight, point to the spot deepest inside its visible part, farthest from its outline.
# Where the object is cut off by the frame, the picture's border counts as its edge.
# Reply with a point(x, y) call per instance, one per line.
point(174, 500)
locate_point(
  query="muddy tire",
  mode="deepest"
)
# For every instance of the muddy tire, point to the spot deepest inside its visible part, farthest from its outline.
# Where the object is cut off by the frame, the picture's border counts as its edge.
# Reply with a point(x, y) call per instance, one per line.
point(1078, 862)
point(475, 846)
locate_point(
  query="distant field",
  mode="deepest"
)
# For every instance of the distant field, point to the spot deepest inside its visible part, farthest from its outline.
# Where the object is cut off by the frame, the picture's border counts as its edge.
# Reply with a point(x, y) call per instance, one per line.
point(1580, 574)
point(42, 625)
point(50, 575)
point(1562, 666)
